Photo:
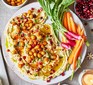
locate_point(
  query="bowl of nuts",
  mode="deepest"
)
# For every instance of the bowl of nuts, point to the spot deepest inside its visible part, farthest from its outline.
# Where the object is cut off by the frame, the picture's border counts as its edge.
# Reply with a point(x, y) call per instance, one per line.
point(14, 4)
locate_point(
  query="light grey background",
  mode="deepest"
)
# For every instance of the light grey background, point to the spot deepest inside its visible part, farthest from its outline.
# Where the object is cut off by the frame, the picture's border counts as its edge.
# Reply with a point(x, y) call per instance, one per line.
point(5, 15)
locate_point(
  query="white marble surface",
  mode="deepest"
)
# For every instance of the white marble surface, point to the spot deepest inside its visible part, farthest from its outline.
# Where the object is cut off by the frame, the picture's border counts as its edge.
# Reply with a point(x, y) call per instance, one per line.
point(6, 13)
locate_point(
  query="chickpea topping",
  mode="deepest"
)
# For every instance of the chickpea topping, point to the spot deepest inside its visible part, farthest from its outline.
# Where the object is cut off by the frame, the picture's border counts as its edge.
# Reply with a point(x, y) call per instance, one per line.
point(29, 11)
point(42, 46)
point(39, 49)
point(26, 24)
point(37, 46)
point(15, 2)
point(53, 57)
point(13, 23)
point(27, 49)
point(24, 14)
point(44, 43)
point(39, 55)
point(8, 0)
point(30, 25)
point(30, 42)
point(31, 16)
point(14, 51)
point(40, 66)
point(33, 50)
point(35, 54)
point(30, 53)
point(28, 59)
point(42, 52)
point(40, 37)
point(20, 65)
point(32, 57)
point(15, 43)
point(46, 59)
point(21, 43)
point(33, 37)
point(24, 28)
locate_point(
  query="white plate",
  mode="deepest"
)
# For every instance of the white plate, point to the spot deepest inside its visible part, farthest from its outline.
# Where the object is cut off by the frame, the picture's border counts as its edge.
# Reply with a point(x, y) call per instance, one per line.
point(14, 68)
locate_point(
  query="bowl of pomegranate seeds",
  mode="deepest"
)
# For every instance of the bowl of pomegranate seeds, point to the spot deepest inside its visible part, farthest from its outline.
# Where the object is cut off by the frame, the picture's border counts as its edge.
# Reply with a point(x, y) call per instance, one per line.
point(84, 9)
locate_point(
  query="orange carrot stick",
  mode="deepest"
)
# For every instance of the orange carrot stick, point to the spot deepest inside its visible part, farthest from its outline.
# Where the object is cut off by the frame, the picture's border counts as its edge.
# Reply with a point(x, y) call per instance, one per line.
point(78, 30)
point(65, 20)
point(70, 60)
point(74, 64)
point(72, 25)
point(68, 20)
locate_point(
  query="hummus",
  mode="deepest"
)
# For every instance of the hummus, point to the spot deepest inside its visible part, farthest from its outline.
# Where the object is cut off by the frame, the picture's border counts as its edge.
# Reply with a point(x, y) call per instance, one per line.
point(87, 78)
point(33, 48)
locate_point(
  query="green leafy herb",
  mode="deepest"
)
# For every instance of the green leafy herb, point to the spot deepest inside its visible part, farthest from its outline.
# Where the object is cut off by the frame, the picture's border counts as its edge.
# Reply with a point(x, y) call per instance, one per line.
point(87, 43)
point(55, 9)
point(72, 75)
point(79, 63)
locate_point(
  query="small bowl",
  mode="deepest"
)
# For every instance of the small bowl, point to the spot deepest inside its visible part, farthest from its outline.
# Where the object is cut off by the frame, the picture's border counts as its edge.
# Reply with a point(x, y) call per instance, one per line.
point(81, 75)
point(14, 7)
point(79, 16)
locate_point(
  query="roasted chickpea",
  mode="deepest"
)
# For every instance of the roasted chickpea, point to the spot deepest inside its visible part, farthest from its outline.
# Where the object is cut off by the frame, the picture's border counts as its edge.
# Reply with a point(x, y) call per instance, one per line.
point(30, 25)
point(29, 12)
point(39, 55)
point(32, 57)
point(31, 16)
point(33, 50)
point(39, 49)
point(37, 46)
point(26, 24)
point(15, 43)
point(40, 66)
point(42, 46)
point(25, 14)
point(19, 3)
point(33, 37)
point(24, 28)
point(20, 65)
point(21, 43)
point(46, 59)
point(8, 0)
point(35, 54)
point(42, 52)
point(13, 3)
point(30, 53)
point(40, 37)
point(53, 57)
point(28, 59)
point(44, 43)
point(23, 1)
point(27, 49)
point(30, 42)
point(29, 46)
point(14, 51)
point(18, 0)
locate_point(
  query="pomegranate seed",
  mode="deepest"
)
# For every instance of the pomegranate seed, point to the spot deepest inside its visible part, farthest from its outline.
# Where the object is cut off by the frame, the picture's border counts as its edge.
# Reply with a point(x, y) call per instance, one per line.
point(50, 77)
point(33, 45)
point(32, 8)
point(28, 71)
point(22, 35)
point(83, 8)
point(24, 57)
point(40, 63)
point(20, 59)
point(39, 10)
point(8, 50)
point(48, 80)
point(63, 74)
